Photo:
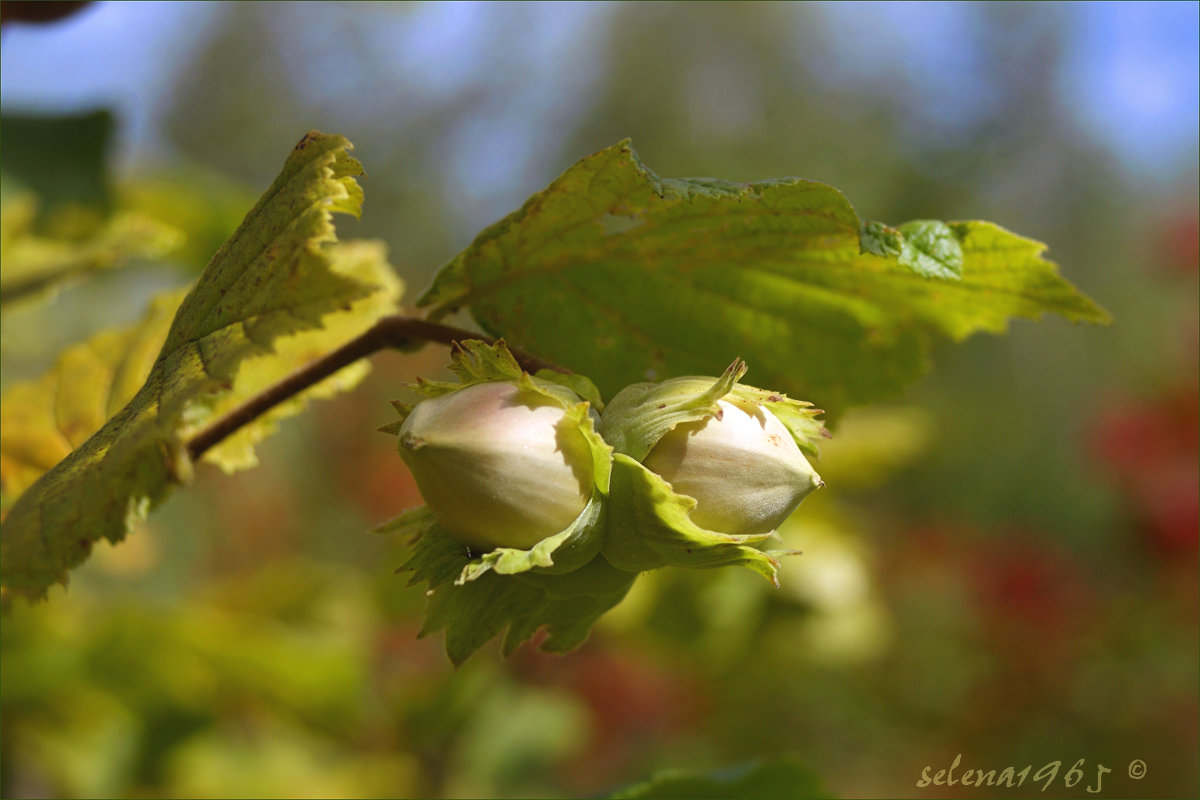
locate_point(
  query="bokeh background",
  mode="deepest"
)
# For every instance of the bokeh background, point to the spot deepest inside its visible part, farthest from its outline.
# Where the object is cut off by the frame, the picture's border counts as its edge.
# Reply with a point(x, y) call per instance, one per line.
point(1003, 566)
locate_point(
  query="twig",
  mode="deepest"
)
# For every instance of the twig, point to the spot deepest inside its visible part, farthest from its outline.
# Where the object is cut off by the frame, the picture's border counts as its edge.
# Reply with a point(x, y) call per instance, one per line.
point(391, 332)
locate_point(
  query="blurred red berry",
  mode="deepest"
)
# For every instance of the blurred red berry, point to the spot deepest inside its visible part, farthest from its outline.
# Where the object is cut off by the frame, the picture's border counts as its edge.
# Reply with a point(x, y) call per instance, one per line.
point(1150, 450)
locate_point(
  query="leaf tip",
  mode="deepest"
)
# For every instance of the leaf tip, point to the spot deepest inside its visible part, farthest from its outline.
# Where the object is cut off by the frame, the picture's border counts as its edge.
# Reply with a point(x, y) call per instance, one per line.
point(307, 139)
point(392, 428)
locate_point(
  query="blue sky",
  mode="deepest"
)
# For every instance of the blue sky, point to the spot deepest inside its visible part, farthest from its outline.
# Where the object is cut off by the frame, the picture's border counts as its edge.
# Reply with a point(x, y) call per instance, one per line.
point(1133, 77)
point(1129, 75)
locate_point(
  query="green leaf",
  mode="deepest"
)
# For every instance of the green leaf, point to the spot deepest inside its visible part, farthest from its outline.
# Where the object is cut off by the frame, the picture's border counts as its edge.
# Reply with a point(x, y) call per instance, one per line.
point(930, 248)
point(436, 557)
point(629, 277)
point(880, 240)
point(783, 778)
point(472, 612)
point(1004, 275)
point(272, 279)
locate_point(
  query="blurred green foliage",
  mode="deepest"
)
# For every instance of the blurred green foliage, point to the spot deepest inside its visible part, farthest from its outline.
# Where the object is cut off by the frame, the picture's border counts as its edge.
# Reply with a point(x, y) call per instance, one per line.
point(61, 159)
point(758, 781)
point(1004, 566)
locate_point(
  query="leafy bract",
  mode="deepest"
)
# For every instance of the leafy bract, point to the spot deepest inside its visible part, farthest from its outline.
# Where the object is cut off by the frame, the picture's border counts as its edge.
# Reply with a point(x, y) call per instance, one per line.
point(642, 413)
point(560, 583)
point(650, 526)
point(476, 361)
point(627, 277)
point(473, 611)
point(274, 278)
point(649, 523)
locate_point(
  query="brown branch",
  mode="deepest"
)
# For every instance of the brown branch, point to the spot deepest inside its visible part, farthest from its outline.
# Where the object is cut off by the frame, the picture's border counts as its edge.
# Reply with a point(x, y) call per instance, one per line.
point(391, 332)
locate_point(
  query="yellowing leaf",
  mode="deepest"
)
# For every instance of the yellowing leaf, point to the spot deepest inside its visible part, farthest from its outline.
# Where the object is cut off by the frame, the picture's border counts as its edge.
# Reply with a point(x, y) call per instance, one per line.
point(364, 260)
point(43, 420)
point(35, 265)
point(274, 278)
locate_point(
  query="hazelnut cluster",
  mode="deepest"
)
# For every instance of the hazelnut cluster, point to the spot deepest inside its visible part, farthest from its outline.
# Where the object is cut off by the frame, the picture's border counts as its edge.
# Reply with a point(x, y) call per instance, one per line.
point(691, 471)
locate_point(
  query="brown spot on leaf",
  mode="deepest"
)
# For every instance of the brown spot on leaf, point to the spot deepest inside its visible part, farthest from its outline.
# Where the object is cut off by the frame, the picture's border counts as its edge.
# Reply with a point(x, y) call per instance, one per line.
point(774, 398)
point(307, 139)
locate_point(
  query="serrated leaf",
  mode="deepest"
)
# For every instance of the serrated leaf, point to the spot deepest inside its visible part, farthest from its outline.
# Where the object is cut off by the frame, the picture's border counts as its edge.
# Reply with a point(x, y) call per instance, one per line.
point(436, 557)
point(473, 361)
point(272, 279)
point(34, 265)
point(476, 361)
point(1004, 275)
point(628, 277)
point(43, 420)
point(410, 523)
point(363, 260)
